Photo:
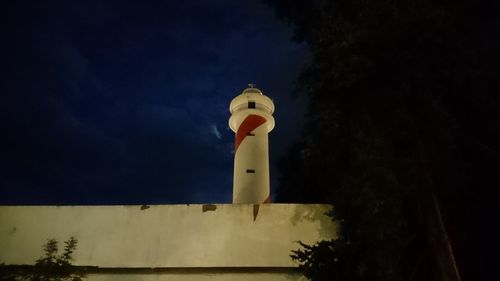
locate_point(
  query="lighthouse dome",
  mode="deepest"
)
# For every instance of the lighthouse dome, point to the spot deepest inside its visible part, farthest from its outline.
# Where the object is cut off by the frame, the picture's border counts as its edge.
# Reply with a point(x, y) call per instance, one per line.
point(251, 101)
point(252, 95)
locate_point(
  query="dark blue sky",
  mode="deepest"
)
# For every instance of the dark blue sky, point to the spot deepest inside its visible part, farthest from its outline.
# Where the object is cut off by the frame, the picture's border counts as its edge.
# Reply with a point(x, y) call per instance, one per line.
point(126, 102)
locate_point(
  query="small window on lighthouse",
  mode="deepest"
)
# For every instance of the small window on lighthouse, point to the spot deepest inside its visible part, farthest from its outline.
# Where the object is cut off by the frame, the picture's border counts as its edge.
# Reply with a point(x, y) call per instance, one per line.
point(251, 134)
point(251, 104)
point(250, 171)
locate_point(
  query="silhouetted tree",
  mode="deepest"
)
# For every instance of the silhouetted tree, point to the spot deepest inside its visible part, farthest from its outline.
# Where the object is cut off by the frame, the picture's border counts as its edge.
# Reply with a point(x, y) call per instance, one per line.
point(402, 135)
point(50, 267)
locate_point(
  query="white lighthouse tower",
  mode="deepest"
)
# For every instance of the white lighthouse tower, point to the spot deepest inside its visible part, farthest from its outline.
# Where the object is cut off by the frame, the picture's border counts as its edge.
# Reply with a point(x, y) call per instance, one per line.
point(251, 120)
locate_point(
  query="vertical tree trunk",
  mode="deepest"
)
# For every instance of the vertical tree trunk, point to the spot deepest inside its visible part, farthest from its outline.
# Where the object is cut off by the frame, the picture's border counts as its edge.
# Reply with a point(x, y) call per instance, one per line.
point(438, 236)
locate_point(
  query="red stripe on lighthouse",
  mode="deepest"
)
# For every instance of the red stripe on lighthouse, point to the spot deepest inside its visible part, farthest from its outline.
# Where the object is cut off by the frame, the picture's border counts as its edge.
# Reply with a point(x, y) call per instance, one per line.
point(247, 126)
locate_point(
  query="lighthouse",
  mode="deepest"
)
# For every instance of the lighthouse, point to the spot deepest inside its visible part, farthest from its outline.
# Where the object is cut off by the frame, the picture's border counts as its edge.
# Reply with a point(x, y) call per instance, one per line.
point(252, 120)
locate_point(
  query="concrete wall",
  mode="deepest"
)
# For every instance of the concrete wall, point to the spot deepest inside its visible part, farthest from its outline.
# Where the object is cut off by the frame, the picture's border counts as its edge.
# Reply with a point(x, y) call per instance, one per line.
point(167, 236)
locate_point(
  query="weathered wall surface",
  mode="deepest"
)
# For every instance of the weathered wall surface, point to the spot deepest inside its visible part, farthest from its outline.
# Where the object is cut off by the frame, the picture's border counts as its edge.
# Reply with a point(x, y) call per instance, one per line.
point(222, 235)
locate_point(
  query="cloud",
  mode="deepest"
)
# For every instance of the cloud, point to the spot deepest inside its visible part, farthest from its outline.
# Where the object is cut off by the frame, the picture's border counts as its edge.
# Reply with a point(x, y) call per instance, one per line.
point(215, 131)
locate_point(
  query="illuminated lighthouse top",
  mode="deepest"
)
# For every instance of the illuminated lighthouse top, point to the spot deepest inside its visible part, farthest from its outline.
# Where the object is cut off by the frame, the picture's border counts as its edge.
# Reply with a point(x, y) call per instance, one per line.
point(251, 100)
point(251, 119)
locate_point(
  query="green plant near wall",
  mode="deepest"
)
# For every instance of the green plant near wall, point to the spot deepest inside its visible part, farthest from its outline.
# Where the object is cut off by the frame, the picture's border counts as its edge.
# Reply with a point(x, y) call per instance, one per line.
point(52, 266)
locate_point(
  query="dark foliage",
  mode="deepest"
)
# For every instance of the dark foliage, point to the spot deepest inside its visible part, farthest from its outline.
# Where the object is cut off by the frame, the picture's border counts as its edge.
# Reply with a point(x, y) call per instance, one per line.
point(403, 137)
point(51, 267)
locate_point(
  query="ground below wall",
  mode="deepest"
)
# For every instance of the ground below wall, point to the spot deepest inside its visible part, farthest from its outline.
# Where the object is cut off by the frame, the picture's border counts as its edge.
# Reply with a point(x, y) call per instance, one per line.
point(167, 274)
point(201, 277)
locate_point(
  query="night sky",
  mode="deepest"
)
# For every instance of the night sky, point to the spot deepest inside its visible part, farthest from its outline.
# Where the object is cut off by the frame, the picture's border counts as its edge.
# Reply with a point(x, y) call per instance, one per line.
point(126, 102)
